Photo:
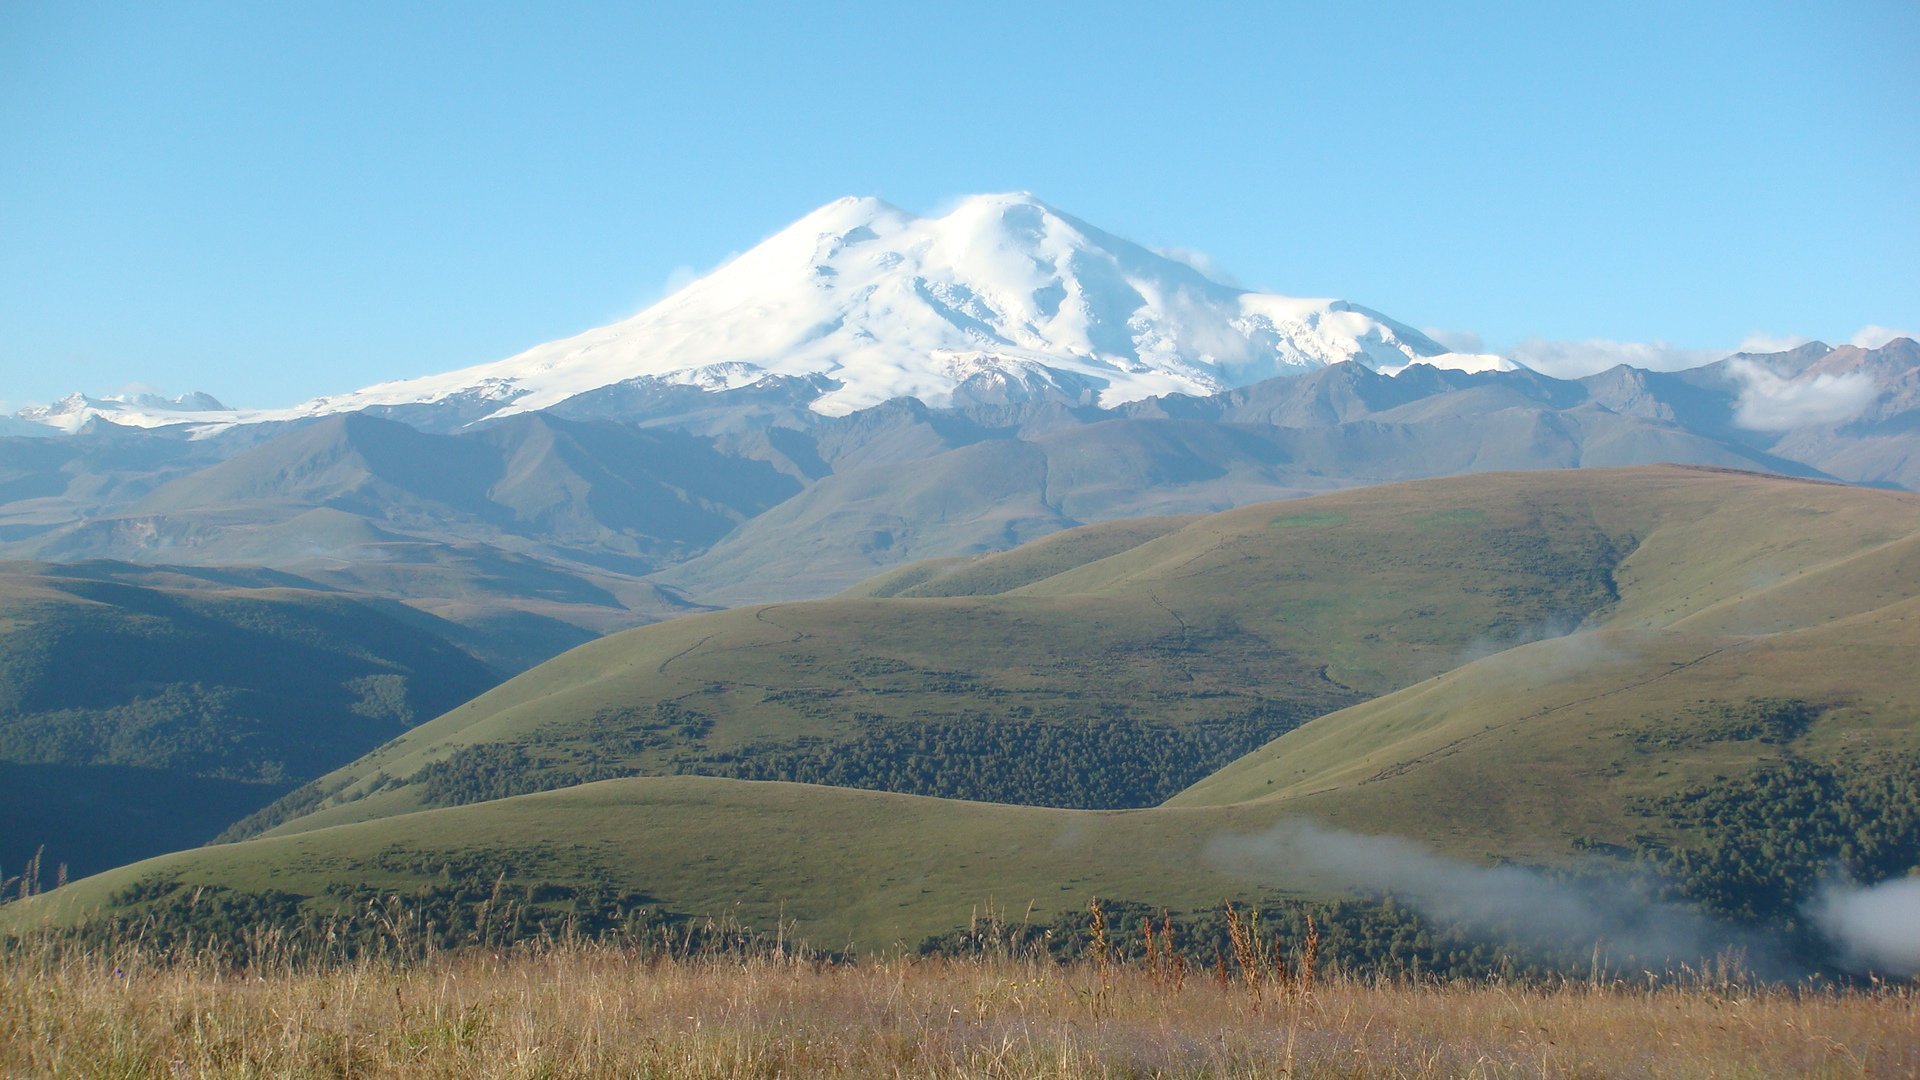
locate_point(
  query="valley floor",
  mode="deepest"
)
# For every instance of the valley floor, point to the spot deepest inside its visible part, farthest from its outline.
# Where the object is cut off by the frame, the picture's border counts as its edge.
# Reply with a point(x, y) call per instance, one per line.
point(594, 1011)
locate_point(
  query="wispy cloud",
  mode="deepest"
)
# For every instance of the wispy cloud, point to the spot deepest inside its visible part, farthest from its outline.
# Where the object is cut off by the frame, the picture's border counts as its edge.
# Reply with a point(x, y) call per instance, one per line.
point(1460, 341)
point(1556, 650)
point(1208, 266)
point(1763, 342)
point(1606, 911)
point(1574, 359)
point(1771, 402)
point(1874, 337)
point(682, 276)
point(678, 278)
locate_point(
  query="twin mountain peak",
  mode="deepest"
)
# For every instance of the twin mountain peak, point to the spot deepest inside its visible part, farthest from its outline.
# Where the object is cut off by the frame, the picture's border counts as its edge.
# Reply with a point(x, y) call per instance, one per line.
point(1001, 299)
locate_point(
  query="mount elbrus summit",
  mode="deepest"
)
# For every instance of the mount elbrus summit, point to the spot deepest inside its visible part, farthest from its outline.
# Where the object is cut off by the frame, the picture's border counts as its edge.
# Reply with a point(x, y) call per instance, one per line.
point(858, 303)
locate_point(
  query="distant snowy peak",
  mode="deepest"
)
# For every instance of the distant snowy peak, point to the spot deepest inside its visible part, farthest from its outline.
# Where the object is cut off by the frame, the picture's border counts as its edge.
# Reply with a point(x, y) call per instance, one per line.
point(75, 411)
point(889, 305)
point(1001, 297)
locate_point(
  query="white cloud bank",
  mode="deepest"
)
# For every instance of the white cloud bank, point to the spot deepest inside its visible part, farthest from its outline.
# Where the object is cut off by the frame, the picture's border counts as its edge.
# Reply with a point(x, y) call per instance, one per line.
point(1769, 402)
point(1877, 928)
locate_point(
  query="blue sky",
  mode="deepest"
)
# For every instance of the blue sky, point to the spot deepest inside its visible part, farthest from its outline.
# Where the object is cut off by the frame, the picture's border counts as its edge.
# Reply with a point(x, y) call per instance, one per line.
point(274, 201)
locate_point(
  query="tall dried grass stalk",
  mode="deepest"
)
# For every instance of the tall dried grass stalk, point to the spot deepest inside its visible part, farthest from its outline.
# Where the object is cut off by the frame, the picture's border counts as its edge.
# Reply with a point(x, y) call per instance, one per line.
point(1176, 961)
point(1309, 956)
point(1243, 936)
point(1152, 958)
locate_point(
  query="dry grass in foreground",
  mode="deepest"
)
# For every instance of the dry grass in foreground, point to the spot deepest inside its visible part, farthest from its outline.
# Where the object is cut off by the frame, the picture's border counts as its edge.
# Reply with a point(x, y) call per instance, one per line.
point(600, 1011)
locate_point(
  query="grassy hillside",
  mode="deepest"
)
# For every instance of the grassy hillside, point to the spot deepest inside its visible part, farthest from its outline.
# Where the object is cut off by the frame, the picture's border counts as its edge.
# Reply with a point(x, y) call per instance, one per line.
point(143, 711)
point(1119, 664)
point(875, 868)
point(1738, 708)
point(1005, 571)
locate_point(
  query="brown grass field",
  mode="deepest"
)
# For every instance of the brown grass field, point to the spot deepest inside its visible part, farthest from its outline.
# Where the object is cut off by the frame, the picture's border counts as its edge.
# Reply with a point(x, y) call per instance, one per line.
point(585, 1010)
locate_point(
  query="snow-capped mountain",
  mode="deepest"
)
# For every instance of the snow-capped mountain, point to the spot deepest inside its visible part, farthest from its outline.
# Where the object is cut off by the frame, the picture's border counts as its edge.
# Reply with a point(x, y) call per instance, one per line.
point(71, 413)
point(1001, 298)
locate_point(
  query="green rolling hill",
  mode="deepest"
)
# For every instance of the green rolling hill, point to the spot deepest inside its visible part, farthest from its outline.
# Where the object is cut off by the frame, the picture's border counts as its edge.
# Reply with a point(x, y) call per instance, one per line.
point(144, 709)
point(1106, 667)
point(1736, 705)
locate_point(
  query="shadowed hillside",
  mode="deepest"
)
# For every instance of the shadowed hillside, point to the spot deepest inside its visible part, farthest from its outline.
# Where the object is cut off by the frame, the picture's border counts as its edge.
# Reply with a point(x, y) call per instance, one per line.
point(144, 710)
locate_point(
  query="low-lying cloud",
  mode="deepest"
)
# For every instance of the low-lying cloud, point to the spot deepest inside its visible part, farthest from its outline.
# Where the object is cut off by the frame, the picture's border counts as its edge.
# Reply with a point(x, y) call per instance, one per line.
point(1552, 627)
point(1771, 402)
point(1617, 916)
point(1554, 650)
point(1876, 928)
point(1574, 359)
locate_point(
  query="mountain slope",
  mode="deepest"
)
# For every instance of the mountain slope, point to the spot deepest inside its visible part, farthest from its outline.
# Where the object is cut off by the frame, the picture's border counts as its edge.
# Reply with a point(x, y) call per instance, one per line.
point(591, 489)
point(1254, 621)
point(1338, 427)
point(1334, 427)
point(537, 531)
point(530, 534)
point(1135, 656)
point(144, 710)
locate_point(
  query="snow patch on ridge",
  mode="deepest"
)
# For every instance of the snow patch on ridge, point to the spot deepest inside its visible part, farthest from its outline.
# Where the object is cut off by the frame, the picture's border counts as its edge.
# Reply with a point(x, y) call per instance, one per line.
point(76, 410)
